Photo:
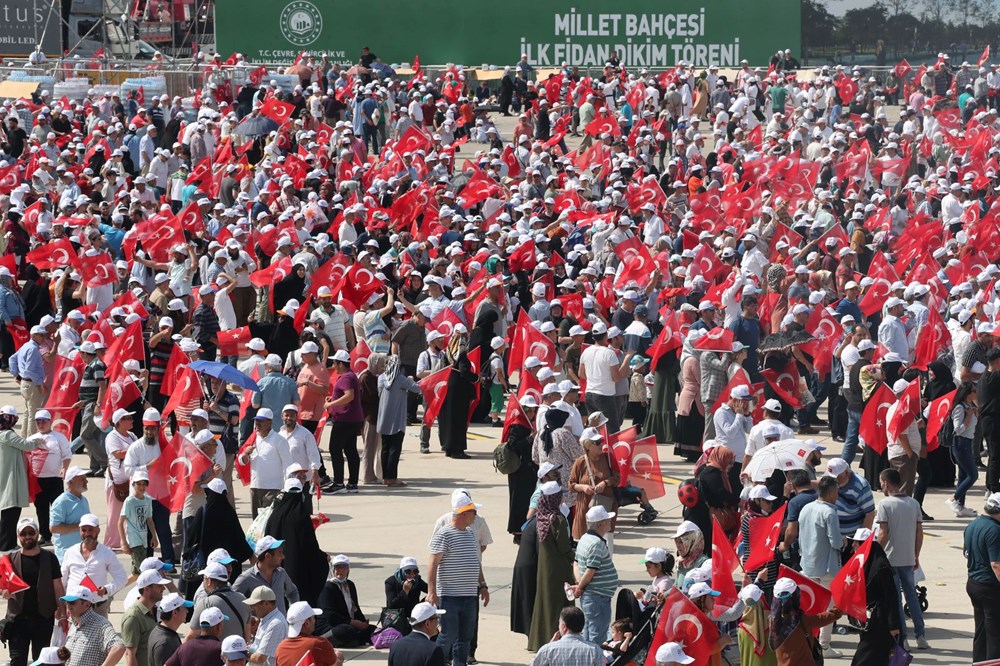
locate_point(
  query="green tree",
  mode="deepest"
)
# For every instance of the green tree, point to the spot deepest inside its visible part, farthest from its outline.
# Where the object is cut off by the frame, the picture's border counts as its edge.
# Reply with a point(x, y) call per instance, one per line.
point(818, 24)
point(864, 26)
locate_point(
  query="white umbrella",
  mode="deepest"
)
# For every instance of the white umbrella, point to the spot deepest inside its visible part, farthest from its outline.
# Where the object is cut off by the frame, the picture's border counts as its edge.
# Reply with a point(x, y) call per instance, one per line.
point(774, 456)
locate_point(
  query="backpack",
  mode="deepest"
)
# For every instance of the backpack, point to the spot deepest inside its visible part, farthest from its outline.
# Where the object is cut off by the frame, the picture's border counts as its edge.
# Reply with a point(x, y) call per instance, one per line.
point(946, 435)
point(505, 460)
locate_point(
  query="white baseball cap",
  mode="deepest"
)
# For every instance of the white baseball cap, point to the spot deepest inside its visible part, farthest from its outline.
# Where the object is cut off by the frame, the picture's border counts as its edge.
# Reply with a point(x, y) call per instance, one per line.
point(761, 492)
point(211, 617)
point(297, 615)
point(784, 587)
point(598, 513)
point(669, 653)
point(150, 577)
point(424, 611)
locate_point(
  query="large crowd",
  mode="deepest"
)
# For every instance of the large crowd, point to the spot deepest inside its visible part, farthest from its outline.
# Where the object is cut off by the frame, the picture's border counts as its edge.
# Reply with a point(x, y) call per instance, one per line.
point(201, 292)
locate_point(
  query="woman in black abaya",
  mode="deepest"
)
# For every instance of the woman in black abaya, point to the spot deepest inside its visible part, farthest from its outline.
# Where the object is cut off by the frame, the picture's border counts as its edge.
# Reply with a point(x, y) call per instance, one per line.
point(216, 525)
point(525, 580)
point(306, 563)
point(453, 421)
point(480, 338)
point(878, 639)
point(939, 463)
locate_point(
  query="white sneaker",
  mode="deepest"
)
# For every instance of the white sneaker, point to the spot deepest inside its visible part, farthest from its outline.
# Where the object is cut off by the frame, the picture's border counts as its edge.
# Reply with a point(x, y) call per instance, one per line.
point(965, 512)
point(830, 652)
point(922, 643)
point(953, 504)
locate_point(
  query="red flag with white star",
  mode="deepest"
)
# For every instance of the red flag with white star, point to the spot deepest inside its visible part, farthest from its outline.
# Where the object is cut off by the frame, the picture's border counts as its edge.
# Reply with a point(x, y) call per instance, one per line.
point(434, 388)
point(873, 419)
point(683, 622)
point(175, 472)
point(848, 586)
point(724, 562)
point(765, 534)
point(814, 598)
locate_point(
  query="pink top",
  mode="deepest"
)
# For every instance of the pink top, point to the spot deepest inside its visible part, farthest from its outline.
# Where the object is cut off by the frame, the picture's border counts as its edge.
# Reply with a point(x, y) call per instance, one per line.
point(311, 398)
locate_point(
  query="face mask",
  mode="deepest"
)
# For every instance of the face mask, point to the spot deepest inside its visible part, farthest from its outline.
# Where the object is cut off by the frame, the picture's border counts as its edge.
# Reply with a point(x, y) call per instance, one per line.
point(564, 510)
point(340, 579)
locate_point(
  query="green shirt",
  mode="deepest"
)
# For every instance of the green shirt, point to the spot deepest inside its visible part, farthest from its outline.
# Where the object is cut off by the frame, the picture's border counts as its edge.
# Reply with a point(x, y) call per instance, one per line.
point(778, 95)
point(592, 553)
point(137, 625)
point(982, 546)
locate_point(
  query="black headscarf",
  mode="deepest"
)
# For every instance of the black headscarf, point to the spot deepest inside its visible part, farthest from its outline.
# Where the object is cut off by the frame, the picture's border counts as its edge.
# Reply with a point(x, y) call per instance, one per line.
point(554, 419)
point(482, 334)
point(221, 529)
point(942, 383)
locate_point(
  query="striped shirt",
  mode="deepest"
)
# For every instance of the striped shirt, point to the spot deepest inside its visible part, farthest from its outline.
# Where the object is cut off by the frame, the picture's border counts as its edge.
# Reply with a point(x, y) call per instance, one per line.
point(93, 374)
point(458, 573)
point(159, 357)
point(592, 553)
point(854, 501)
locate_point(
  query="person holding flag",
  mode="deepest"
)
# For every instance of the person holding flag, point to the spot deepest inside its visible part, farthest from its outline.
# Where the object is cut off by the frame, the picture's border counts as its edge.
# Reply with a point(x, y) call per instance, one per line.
point(94, 566)
point(790, 633)
point(820, 543)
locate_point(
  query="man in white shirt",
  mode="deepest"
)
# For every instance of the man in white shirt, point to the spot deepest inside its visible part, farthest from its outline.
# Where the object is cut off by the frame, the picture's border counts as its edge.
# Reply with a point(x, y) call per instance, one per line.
point(601, 369)
point(759, 436)
point(94, 560)
point(892, 332)
point(268, 456)
point(302, 447)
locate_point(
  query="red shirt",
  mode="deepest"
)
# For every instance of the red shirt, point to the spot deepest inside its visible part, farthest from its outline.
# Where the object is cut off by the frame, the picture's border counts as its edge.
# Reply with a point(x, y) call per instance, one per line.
point(290, 651)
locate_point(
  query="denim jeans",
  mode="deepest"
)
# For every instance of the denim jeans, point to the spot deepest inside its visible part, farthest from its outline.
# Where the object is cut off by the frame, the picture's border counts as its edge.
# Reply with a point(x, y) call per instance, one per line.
point(904, 580)
point(968, 472)
point(597, 610)
point(851, 440)
point(458, 626)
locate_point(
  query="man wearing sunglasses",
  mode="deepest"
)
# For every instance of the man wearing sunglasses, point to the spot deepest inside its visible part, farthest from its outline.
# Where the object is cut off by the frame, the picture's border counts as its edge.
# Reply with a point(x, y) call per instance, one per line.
point(33, 612)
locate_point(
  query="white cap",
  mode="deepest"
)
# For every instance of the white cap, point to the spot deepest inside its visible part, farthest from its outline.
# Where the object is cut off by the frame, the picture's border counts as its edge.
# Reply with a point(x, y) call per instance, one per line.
point(836, 467)
point(861, 534)
point(750, 592)
point(215, 571)
point(150, 577)
point(423, 612)
point(298, 613)
point(670, 653)
point(72, 473)
point(761, 492)
point(772, 405)
point(784, 587)
point(217, 485)
point(310, 347)
point(900, 386)
point(256, 344)
point(686, 527)
point(598, 513)
point(140, 475)
point(89, 520)
point(235, 648)
point(655, 554)
point(211, 617)
point(342, 356)
point(699, 590)
point(547, 467)
point(120, 414)
point(78, 593)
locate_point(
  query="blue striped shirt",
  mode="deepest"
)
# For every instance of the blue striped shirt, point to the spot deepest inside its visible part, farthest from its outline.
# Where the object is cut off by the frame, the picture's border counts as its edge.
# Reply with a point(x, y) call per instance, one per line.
point(592, 553)
point(854, 501)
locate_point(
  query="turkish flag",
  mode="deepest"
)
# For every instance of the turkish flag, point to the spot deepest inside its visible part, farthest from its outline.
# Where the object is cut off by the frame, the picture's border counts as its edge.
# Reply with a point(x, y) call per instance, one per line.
point(234, 341)
point(848, 586)
point(603, 123)
point(514, 416)
point(257, 75)
point(705, 263)
point(765, 535)
point(359, 357)
point(54, 254)
point(101, 332)
point(122, 390)
point(902, 69)
point(128, 346)
point(724, 562)
point(129, 302)
point(873, 420)
point(985, 56)
point(66, 374)
point(638, 263)
point(932, 339)
point(479, 188)
point(517, 347)
point(875, 296)
point(938, 411)
point(738, 379)
point(508, 158)
point(357, 285)
point(413, 140)
point(848, 88)
point(161, 240)
point(785, 383)
point(88, 583)
point(177, 360)
point(827, 334)
point(188, 388)
point(279, 112)
point(174, 481)
point(190, 218)
point(327, 275)
point(683, 622)
point(813, 597)
point(535, 343)
point(276, 272)
point(445, 322)
point(434, 387)
point(255, 375)
point(243, 470)
point(718, 339)
point(906, 412)
point(523, 258)
point(10, 582)
point(529, 385)
point(669, 339)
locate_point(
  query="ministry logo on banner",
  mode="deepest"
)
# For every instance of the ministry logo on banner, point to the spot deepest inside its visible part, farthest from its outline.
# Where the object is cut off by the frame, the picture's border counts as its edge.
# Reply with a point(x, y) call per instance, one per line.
point(301, 23)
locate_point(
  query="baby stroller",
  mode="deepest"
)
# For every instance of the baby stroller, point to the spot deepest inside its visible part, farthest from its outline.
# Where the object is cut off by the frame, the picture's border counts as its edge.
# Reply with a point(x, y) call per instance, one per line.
point(631, 495)
point(643, 627)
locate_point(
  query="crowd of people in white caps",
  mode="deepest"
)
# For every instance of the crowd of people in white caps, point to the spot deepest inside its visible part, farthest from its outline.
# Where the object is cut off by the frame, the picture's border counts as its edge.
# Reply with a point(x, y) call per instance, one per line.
point(197, 293)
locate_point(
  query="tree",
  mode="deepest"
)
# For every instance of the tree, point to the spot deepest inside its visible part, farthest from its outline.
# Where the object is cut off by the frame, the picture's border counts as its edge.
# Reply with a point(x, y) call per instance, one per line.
point(865, 25)
point(818, 24)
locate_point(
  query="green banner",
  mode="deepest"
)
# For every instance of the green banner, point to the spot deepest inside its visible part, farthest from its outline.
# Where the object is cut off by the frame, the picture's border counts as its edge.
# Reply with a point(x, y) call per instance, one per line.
point(578, 32)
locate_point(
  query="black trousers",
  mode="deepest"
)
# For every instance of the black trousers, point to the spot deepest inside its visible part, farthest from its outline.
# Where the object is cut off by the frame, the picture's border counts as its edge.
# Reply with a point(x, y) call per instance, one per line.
point(344, 443)
point(28, 634)
point(392, 447)
point(412, 399)
point(51, 488)
point(8, 528)
point(991, 437)
point(986, 614)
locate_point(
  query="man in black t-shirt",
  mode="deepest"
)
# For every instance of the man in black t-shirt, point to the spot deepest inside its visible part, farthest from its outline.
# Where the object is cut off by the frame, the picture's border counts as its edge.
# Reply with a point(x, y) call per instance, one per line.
point(33, 612)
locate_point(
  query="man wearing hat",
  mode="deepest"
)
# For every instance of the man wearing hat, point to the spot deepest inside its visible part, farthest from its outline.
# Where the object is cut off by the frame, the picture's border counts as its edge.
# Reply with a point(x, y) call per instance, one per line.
point(267, 456)
point(418, 648)
point(92, 387)
point(301, 638)
point(164, 639)
point(219, 597)
point(139, 621)
point(268, 572)
point(271, 625)
point(203, 645)
point(92, 639)
point(205, 325)
point(33, 612)
point(820, 543)
point(596, 575)
point(57, 459)
point(67, 510)
point(455, 578)
point(95, 560)
point(29, 372)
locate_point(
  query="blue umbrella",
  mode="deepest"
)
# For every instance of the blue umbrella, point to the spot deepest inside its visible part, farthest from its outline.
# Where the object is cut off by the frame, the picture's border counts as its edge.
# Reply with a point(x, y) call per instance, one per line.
point(226, 373)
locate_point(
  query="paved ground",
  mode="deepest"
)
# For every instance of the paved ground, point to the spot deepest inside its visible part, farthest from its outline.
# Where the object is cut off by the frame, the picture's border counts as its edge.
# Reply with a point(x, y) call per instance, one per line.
point(377, 526)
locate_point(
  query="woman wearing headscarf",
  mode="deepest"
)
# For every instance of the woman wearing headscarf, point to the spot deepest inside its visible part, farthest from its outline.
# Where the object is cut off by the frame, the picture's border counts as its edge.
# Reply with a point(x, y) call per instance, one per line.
point(13, 476)
point(761, 505)
point(453, 421)
point(393, 390)
point(521, 484)
point(557, 445)
point(690, 544)
point(306, 563)
point(291, 287)
point(690, 411)
point(755, 650)
point(368, 378)
point(791, 632)
point(661, 420)
point(593, 480)
point(555, 566)
point(524, 578)
point(215, 525)
point(480, 338)
point(716, 488)
point(35, 293)
point(403, 589)
point(939, 466)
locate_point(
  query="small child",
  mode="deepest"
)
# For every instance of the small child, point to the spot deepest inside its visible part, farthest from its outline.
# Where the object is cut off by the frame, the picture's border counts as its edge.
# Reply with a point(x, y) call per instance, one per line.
point(136, 521)
point(638, 403)
point(660, 567)
point(621, 636)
